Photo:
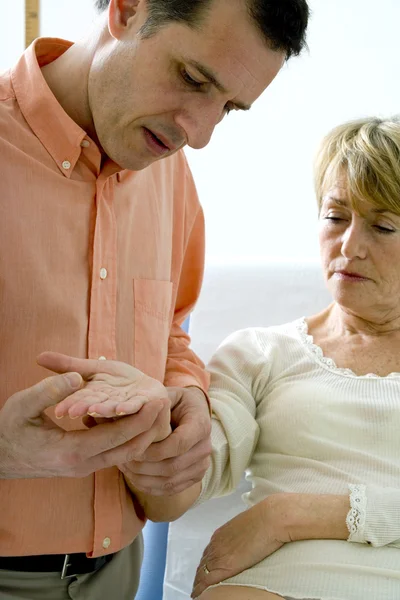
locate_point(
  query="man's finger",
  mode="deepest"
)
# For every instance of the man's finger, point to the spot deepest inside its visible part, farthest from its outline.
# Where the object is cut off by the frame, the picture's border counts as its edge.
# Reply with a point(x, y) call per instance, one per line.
point(186, 435)
point(33, 401)
point(107, 437)
point(173, 466)
point(136, 447)
point(168, 486)
point(124, 453)
point(88, 368)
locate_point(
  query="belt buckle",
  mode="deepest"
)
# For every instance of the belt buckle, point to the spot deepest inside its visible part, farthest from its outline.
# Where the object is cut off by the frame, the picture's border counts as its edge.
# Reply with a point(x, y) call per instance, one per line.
point(64, 574)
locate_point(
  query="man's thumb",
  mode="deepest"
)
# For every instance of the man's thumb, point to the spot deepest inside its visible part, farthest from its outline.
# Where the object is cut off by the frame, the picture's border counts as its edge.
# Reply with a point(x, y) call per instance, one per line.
point(48, 392)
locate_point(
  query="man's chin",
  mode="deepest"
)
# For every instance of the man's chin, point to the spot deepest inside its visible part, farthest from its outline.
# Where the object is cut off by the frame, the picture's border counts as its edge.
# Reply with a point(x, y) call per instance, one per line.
point(136, 164)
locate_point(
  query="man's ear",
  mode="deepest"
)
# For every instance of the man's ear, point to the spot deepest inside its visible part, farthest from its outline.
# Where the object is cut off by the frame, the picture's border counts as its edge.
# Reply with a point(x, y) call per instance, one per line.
point(120, 13)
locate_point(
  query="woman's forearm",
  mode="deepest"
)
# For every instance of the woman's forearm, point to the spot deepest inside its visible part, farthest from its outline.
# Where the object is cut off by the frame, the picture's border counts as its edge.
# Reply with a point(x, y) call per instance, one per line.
point(313, 516)
point(165, 508)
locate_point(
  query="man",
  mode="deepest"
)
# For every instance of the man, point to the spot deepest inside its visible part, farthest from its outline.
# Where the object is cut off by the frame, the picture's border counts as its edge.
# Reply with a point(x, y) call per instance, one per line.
point(102, 258)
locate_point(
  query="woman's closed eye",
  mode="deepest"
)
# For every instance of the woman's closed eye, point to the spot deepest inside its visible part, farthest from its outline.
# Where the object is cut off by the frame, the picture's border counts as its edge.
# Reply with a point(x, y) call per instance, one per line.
point(335, 218)
point(380, 228)
point(384, 229)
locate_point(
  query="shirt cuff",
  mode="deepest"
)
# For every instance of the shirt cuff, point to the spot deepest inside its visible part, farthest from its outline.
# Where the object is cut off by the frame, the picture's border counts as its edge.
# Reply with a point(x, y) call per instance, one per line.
point(356, 517)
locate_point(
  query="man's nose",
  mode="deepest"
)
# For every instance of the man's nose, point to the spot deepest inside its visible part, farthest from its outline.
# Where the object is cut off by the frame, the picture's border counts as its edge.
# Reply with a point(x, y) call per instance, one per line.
point(198, 122)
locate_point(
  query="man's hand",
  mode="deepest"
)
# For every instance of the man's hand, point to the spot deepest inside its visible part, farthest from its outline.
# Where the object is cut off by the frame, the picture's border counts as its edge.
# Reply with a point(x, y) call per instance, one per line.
point(163, 468)
point(181, 460)
point(32, 446)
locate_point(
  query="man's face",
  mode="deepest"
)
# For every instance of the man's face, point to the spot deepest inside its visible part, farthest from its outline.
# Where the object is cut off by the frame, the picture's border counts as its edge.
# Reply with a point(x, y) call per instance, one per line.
point(150, 97)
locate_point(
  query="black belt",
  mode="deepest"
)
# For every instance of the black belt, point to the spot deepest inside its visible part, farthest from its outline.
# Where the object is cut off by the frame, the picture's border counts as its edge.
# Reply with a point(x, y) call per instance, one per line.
point(68, 565)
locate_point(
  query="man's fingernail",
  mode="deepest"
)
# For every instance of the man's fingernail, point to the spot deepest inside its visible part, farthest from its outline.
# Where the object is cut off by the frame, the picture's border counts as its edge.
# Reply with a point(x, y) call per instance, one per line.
point(74, 380)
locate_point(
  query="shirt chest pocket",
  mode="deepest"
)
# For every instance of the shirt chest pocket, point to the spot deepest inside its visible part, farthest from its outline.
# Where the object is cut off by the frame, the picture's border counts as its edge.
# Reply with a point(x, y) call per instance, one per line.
point(152, 314)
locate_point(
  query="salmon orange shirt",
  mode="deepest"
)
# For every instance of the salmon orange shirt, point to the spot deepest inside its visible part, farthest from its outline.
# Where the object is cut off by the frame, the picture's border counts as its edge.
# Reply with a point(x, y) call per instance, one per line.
point(95, 262)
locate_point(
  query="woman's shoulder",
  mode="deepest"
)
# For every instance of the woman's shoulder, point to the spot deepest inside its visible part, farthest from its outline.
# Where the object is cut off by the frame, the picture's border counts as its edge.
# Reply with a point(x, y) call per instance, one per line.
point(262, 352)
point(266, 339)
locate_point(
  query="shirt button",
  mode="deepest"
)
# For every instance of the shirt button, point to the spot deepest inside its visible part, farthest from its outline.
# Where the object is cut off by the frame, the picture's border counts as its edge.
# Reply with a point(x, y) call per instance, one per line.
point(103, 273)
point(106, 542)
point(85, 144)
point(102, 358)
point(66, 165)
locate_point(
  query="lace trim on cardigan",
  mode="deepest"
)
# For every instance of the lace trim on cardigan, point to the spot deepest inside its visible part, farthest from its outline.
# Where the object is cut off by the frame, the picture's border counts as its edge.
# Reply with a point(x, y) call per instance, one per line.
point(357, 514)
point(317, 352)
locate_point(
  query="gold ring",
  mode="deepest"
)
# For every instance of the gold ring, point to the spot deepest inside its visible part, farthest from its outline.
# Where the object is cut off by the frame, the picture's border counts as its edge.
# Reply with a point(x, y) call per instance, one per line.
point(205, 569)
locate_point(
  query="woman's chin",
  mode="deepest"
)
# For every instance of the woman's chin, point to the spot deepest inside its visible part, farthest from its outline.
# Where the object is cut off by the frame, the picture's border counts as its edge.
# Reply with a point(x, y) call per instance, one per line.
point(353, 301)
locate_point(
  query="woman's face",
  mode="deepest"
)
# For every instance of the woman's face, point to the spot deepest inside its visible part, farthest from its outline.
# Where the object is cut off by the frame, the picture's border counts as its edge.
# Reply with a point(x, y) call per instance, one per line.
point(360, 256)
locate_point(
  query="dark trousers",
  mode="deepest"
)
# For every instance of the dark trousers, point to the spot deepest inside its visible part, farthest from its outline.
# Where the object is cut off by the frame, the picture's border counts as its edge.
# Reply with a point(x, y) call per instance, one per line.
point(116, 580)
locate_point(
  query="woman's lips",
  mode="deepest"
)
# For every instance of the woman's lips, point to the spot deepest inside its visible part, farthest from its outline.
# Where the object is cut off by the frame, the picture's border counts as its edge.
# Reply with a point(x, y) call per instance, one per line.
point(349, 276)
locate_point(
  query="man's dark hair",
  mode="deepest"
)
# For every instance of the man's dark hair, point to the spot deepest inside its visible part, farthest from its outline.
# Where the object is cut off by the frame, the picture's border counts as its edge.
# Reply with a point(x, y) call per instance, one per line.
point(283, 23)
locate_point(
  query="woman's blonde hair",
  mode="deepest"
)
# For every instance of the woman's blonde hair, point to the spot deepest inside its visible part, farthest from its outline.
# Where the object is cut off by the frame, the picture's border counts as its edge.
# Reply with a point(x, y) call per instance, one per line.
point(364, 155)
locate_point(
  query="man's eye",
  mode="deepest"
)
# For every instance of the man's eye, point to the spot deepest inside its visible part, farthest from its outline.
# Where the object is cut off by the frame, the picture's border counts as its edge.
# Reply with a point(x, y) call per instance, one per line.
point(193, 82)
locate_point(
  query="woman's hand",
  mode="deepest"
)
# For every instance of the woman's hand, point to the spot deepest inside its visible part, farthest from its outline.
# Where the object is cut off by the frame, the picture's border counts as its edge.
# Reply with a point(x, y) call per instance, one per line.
point(111, 389)
point(261, 530)
point(241, 543)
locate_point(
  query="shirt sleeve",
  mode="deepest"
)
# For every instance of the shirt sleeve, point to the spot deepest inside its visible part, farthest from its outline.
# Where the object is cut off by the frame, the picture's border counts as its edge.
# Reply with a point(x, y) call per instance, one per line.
point(374, 516)
point(239, 378)
point(184, 368)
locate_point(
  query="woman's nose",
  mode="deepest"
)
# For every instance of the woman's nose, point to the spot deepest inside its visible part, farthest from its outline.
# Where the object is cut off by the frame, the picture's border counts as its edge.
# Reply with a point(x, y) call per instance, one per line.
point(354, 243)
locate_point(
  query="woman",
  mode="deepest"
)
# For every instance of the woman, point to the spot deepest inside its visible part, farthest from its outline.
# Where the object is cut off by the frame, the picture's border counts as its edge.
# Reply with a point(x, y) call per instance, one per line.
point(312, 408)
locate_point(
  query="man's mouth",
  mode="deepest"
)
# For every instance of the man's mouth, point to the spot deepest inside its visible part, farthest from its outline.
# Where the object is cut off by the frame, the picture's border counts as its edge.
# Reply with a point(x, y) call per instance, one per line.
point(157, 145)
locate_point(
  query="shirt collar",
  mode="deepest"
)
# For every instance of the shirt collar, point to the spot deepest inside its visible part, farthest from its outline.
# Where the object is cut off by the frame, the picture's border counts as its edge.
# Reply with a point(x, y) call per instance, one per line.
point(59, 134)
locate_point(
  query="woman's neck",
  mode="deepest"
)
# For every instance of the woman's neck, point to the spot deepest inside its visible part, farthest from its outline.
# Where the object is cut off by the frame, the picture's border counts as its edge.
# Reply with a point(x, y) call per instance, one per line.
point(340, 321)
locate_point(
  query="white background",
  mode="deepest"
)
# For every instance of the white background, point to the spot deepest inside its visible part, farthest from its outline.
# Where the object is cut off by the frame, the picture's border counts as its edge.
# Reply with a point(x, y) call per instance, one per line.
point(255, 177)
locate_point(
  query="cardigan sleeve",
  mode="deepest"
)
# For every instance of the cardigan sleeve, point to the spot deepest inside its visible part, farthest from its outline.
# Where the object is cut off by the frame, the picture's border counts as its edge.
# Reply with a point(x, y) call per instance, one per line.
point(239, 378)
point(374, 516)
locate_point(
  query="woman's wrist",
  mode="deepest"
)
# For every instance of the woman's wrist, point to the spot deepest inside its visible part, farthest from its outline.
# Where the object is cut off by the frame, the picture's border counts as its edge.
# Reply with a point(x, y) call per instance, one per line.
point(311, 516)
